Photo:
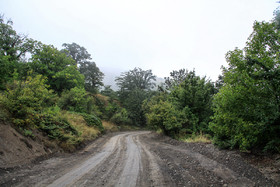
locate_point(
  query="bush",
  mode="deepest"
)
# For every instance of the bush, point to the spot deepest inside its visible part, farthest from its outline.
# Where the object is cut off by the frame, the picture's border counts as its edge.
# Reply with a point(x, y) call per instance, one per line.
point(56, 128)
point(93, 121)
point(75, 100)
point(121, 117)
point(24, 98)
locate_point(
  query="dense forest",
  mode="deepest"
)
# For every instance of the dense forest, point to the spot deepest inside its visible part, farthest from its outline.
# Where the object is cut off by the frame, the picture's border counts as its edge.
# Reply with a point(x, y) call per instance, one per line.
point(46, 89)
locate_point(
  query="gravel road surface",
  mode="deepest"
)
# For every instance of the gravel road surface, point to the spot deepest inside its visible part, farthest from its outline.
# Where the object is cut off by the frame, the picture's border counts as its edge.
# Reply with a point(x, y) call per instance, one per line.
point(140, 158)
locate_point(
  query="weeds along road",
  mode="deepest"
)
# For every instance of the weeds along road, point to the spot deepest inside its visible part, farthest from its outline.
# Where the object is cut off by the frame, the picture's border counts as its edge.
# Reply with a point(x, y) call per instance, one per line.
point(139, 158)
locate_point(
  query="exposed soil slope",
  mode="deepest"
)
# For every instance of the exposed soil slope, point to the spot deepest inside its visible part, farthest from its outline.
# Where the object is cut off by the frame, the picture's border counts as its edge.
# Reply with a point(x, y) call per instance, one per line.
point(16, 149)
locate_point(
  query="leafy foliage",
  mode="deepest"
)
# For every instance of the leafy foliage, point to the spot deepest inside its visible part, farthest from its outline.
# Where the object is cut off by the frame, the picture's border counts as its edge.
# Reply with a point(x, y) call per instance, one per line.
point(136, 79)
point(135, 86)
point(57, 67)
point(247, 107)
point(12, 44)
point(121, 117)
point(75, 99)
point(13, 48)
point(176, 78)
point(78, 53)
point(24, 98)
point(93, 76)
point(36, 89)
point(185, 110)
point(93, 120)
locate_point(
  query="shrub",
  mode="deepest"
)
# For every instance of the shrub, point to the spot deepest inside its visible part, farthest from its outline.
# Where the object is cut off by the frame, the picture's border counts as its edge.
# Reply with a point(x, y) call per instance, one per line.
point(121, 117)
point(75, 99)
point(93, 121)
point(27, 97)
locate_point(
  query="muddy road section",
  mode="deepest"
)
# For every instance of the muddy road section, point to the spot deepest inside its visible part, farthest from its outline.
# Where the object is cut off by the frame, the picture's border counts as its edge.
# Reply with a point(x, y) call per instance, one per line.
point(139, 158)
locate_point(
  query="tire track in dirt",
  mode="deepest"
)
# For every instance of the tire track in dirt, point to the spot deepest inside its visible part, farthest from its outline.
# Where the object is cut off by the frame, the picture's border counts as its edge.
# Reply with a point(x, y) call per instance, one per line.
point(76, 173)
point(140, 158)
point(133, 161)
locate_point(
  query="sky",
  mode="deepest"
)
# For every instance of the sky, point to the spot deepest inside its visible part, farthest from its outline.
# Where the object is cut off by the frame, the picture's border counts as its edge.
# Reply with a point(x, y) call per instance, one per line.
point(162, 35)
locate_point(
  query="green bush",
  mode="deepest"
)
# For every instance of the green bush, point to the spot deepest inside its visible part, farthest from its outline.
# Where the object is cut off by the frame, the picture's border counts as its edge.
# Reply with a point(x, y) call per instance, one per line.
point(93, 121)
point(56, 127)
point(24, 98)
point(75, 100)
point(121, 117)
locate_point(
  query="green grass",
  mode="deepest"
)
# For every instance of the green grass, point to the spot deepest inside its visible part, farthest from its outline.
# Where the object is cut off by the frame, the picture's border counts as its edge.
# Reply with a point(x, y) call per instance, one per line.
point(198, 138)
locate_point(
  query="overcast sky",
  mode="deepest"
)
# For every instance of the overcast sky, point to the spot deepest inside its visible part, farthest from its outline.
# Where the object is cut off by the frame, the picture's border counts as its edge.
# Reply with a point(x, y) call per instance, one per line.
point(162, 35)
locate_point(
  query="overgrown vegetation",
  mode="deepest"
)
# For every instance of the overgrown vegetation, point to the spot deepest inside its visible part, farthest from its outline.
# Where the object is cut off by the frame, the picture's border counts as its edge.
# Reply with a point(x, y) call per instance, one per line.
point(51, 91)
point(58, 92)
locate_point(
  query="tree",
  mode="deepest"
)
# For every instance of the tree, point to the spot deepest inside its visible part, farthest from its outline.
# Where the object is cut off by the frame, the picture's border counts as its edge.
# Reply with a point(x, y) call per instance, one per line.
point(136, 79)
point(13, 47)
point(194, 96)
point(57, 67)
point(93, 76)
point(246, 109)
point(135, 86)
point(77, 52)
point(176, 78)
point(108, 91)
point(12, 44)
point(186, 109)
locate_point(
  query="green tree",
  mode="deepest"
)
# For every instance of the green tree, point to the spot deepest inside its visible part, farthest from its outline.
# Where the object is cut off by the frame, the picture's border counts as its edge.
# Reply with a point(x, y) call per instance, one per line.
point(77, 52)
point(176, 78)
point(67, 79)
point(13, 48)
point(186, 109)
point(13, 44)
point(57, 67)
point(93, 76)
point(135, 86)
point(246, 108)
point(136, 78)
point(108, 91)
point(194, 95)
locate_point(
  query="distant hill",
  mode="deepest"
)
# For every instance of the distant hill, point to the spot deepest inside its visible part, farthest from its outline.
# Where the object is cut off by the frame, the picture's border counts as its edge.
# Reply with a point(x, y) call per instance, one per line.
point(110, 75)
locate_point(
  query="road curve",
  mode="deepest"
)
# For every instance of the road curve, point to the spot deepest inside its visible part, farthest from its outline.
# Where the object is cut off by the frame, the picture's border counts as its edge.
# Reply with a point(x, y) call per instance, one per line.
point(140, 158)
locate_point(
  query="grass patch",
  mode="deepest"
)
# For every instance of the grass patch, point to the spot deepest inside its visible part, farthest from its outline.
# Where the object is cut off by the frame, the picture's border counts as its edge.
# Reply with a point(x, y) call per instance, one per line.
point(110, 127)
point(198, 138)
point(85, 132)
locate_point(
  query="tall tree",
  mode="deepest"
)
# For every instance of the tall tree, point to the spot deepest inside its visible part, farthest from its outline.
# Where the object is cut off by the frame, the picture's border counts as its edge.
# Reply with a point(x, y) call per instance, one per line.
point(13, 47)
point(57, 67)
point(135, 86)
point(93, 76)
point(136, 78)
point(176, 78)
point(186, 109)
point(77, 52)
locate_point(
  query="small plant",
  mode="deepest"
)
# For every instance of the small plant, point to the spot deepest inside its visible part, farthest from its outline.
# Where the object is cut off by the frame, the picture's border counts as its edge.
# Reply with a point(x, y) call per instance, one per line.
point(28, 133)
point(201, 138)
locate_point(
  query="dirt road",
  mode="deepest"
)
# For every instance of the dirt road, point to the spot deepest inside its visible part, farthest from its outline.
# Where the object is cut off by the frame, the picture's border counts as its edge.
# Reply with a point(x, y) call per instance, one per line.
point(139, 158)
